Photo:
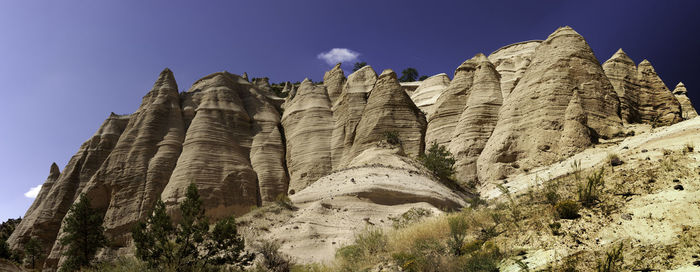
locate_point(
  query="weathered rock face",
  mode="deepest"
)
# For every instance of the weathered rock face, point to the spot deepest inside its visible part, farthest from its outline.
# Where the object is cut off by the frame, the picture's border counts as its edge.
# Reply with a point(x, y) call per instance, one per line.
point(134, 174)
point(450, 105)
point(575, 136)
point(428, 92)
point(622, 72)
point(389, 109)
point(657, 104)
point(532, 116)
point(57, 194)
point(410, 87)
point(233, 149)
point(511, 61)
point(347, 112)
point(334, 80)
point(476, 122)
point(681, 94)
point(308, 126)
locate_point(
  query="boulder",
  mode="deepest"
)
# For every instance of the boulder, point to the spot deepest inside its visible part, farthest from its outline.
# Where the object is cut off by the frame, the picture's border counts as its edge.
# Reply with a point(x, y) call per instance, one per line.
point(681, 94)
point(622, 73)
point(308, 126)
point(450, 104)
point(531, 119)
point(334, 80)
point(347, 112)
point(390, 110)
point(428, 92)
point(476, 122)
point(511, 61)
point(657, 104)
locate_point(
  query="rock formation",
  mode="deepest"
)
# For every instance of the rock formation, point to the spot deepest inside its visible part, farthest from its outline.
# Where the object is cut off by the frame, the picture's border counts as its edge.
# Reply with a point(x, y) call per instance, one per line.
point(410, 87)
point(450, 105)
point(347, 112)
point(57, 194)
point(657, 104)
point(476, 122)
point(389, 109)
point(622, 72)
point(511, 61)
point(428, 92)
point(681, 94)
point(532, 116)
point(334, 80)
point(308, 126)
point(575, 135)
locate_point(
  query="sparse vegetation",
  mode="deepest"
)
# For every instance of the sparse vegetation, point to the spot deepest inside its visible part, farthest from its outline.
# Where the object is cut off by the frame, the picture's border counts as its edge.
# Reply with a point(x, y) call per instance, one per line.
point(408, 75)
point(392, 137)
point(32, 252)
point(458, 231)
point(358, 66)
point(589, 190)
point(272, 260)
point(689, 148)
point(612, 262)
point(283, 201)
point(411, 216)
point(439, 161)
point(567, 209)
point(6, 229)
point(614, 160)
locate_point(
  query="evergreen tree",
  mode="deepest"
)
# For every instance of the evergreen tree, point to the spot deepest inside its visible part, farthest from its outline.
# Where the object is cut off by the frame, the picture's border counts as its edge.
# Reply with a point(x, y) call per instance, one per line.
point(32, 252)
point(193, 229)
point(423, 78)
point(225, 244)
point(152, 238)
point(5, 252)
point(409, 74)
point(439, 161)
point(358, 66)
point(83, 234)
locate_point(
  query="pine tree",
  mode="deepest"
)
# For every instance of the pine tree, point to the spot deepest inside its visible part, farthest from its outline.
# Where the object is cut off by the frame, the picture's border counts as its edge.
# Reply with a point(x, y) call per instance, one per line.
point(84, 234)
point(193, 229)
point(224, 245)
point(152, 238)
point(32, 252)
point(409, 74)
point(439, 161)
point(358, 66)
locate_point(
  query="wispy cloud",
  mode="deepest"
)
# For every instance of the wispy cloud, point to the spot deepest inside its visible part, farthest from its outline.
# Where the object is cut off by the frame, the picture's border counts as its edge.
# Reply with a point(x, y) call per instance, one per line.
point(336, 55)
point(33, 192)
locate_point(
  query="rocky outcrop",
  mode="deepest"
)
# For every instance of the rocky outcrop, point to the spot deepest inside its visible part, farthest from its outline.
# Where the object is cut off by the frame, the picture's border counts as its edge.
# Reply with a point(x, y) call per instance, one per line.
point(428, 92)
point(622, 72)
point(57, 194)
point(681, 94)
point(134, 174)
point(410, 87)
point(450, 105)
point(575, 135)
point(389, 109)
point(657, 105)
point(347, 112)
point(532, 117)
point(511, 61)
point(476, 122)
point(334, 80)
point(308, 126)
point(233, 149)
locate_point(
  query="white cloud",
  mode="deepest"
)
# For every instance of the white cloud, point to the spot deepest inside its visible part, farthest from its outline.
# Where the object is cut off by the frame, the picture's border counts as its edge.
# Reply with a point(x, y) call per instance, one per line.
point(336, 55)
point(33, 192)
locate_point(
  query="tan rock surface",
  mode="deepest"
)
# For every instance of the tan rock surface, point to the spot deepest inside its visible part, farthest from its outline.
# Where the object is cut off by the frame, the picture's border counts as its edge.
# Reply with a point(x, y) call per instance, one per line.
point(43, 219)
point(410, 87)
point(308, 126)
point(511, 61)
point(450, 105)
point(389, 109)
point(476, 122)
point(134, 174)
point(681, 94)
point(334, 80)
point(428, 92)
point(347, 112)
point(575, 136)
point(532, 116)
point(622, 72)
point(657, 104)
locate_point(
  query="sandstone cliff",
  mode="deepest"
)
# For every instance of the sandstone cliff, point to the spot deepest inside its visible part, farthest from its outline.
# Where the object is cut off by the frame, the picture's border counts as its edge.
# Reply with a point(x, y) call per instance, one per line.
point(511, 61)
point(334, 80)
point(531, 119)
point(681, 94)
point(622, 72)
point(428, 92)
point(657, 104)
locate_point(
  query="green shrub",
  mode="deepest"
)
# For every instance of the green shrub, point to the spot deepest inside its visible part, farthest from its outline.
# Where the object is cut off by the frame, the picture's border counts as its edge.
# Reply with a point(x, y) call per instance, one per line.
point(458, 231)
point(272, 259)
point(551, 193)
point(283, 201)
point(614, 160)
point(392, 137)
point(567, 209)
point(439, 161)
point(589, 191)
point(32, 252)
point(555, 227)
point(486, 259)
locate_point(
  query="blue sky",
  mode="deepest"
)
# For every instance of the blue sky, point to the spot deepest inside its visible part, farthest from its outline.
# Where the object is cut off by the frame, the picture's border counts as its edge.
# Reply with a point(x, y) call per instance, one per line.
point(65, 65)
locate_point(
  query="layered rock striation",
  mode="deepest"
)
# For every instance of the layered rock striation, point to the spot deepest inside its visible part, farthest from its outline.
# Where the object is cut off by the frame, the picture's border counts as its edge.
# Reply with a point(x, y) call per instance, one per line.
point(511, 61)
point(622, 73)
point(657, 104)
point(681, 94)
point(428, 92)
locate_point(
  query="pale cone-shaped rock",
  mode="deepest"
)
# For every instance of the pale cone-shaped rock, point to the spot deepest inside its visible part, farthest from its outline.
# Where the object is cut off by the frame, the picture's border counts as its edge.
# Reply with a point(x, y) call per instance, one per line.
point(428, 92)
point(347, 112)
point(511, 61)
point(575, 136)
point(389, 109)
point(232, 151)
point(450, 105)
point(134, 174)
point(43, 219)
point(657, 104)
point(334, 80)
point(476, 122)
point(308, 126)
point(681, 94)
point(531, 119)
point(622, 72)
